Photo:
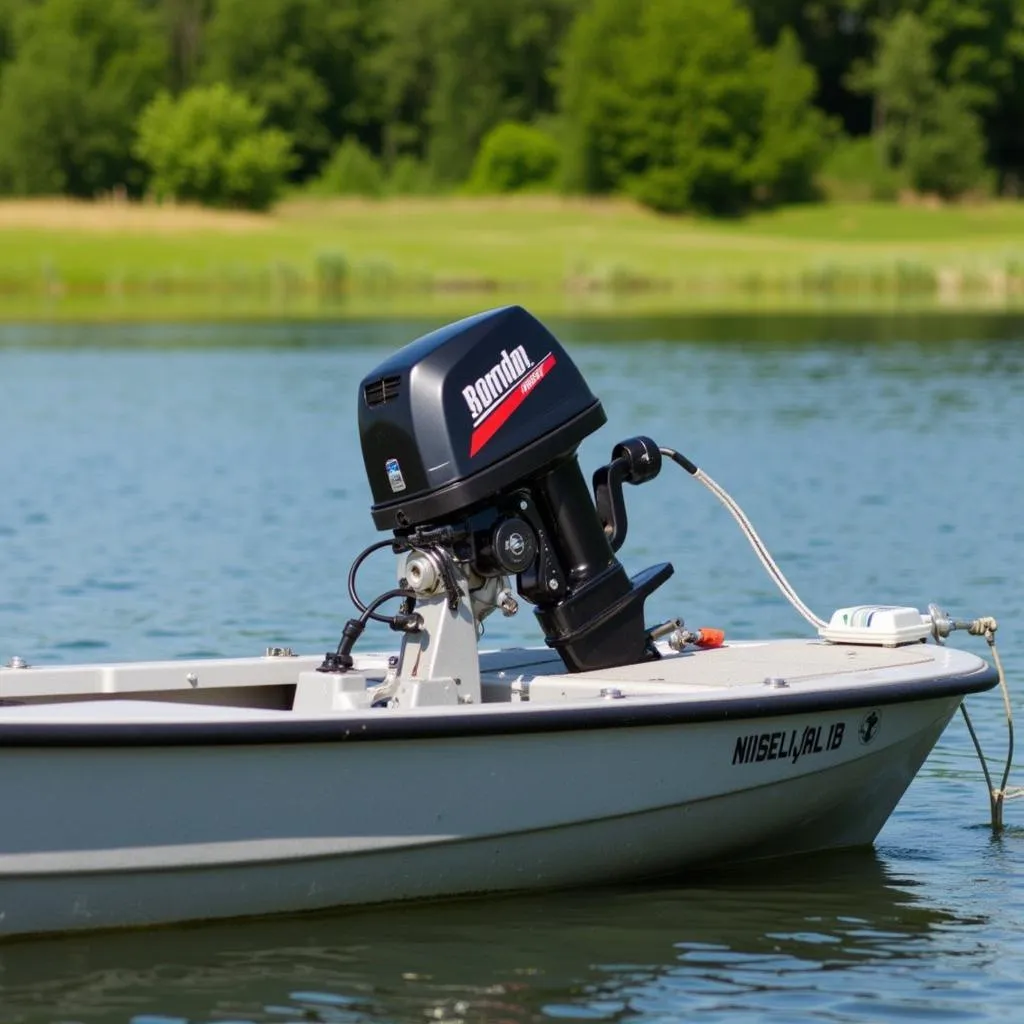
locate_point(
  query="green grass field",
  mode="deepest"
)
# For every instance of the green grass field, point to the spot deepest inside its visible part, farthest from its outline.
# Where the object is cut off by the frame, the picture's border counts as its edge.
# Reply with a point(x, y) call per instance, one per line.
point(425, 256)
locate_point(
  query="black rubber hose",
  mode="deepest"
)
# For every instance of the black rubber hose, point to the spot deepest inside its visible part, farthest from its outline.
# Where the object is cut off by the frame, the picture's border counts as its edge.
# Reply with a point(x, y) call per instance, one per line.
point(360, 558)
point(679, 460)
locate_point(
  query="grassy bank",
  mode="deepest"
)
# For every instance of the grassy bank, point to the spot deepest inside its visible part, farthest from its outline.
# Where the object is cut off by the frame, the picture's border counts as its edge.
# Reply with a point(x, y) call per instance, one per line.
point(424, 256)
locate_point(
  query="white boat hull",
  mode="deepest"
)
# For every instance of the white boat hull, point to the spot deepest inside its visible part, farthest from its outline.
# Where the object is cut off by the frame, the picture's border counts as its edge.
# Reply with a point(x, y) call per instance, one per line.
point(112, 836)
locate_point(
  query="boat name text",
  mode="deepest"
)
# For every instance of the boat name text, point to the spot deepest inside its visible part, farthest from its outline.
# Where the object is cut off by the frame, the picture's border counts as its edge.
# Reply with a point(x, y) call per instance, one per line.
point(503, 375)
point(788, 744)
point(500, 391)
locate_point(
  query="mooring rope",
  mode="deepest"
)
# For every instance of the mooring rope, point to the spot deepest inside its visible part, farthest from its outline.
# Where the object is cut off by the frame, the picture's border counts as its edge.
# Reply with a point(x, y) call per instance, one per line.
point(997, 795)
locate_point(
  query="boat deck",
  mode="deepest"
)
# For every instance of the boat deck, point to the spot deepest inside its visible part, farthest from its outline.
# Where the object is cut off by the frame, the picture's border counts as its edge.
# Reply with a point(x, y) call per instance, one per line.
point(750, 676)
point(775, 663)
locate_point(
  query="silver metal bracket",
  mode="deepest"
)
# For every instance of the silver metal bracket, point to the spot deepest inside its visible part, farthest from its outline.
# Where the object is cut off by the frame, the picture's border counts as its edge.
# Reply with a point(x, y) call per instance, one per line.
point(440, 662)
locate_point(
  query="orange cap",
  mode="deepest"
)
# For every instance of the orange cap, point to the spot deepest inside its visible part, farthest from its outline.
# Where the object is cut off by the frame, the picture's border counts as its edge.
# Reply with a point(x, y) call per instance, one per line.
point(710, 637)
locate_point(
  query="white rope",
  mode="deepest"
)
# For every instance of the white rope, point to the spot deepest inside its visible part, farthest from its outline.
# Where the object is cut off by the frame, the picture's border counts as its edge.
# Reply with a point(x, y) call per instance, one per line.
point(997, 795)
point(985, 627)
point(759, 548)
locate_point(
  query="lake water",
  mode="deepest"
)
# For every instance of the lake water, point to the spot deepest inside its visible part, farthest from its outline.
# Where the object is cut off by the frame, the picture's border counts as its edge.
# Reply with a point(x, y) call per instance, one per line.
point(170, 491)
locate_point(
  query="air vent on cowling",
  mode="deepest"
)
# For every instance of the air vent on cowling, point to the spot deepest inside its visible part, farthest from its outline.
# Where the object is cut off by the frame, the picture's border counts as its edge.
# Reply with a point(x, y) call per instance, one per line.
point(377, 392)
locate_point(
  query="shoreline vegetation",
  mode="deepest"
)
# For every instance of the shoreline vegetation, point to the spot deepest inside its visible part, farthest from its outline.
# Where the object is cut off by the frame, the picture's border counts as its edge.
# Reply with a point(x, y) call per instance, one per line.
point(428, 158)
point(117, 260)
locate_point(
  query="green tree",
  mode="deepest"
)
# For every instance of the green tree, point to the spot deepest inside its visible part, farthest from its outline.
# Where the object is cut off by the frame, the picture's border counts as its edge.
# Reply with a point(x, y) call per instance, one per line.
point(925, 129)
point(833, 35)
point(6, 51)
point(674, 102)
point(80, 73)
point(410, 177)
point(184, 23)
point(306, 62)
point(352, 170)
point(405, 66)
point(978, 46)
point(6, 31)
point(795, 135)
point(494, 62)
point(949, 156)
point(514, 157)
point(210, 146)
point(450, 70)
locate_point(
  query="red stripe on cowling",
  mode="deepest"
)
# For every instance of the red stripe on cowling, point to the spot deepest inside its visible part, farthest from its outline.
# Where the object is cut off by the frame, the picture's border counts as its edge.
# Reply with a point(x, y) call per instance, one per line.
point(508, 405)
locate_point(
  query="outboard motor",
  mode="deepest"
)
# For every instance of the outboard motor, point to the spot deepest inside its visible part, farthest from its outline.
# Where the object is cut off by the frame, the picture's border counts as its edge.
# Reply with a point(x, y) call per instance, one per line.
point(469, 436)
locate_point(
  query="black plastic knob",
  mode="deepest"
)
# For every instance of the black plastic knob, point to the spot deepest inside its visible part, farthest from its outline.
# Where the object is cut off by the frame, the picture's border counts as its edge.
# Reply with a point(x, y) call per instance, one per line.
point(642, 457)
point(514, 545)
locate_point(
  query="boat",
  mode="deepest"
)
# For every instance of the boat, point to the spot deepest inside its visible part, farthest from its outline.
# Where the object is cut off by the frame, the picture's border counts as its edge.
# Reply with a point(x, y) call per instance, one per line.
point(151, 793)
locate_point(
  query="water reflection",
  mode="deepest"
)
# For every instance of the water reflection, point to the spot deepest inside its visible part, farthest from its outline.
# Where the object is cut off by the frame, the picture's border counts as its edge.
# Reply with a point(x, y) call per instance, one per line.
point(803, 330)
point(849, 331)
point(815, 931)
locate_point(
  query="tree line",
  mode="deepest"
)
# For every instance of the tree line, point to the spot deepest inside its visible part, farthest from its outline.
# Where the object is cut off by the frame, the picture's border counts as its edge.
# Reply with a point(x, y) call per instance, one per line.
point(708, 105)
